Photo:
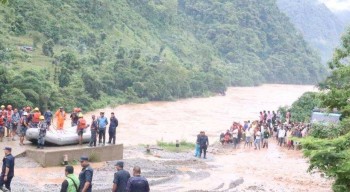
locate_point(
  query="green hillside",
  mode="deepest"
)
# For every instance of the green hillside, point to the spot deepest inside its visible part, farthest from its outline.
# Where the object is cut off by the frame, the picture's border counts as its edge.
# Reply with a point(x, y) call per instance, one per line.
point(92, 53)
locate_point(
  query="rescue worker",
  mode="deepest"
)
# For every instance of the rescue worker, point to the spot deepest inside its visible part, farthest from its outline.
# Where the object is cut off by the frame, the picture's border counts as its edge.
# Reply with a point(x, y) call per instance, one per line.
point(102, 124)
point(35, 118)
point(15, 123)
point(85, 176)
point(24, 126)
point(7, 171)
point(9, 113)
point(2, 125)
point(71, 183)
point(74, 117)
point(48, 117)
point(203, 143)
point(137, 183)
point(81, 126)
point(112, 128)
point(121, 178)
point(94, 129)
point(61, 116)
point(43, 127)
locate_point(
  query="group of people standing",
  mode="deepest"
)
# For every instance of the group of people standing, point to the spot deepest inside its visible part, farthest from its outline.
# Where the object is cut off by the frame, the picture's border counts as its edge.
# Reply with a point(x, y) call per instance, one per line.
point(122, 181)
point(260, 131)
point(16, 122)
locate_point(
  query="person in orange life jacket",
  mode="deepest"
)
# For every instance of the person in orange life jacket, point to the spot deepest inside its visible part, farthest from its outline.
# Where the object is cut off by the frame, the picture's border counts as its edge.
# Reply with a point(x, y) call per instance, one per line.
point(81, 127)
point(23, 127)
point(8, 117)
point(61, 116)
point(15, 123)
point(2, 125)
point(112, 128)
point(35, 118)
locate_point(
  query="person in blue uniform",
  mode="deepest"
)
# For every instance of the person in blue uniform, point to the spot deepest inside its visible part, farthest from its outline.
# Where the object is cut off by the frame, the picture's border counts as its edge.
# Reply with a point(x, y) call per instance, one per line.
point(85, 176)
point(7, 172)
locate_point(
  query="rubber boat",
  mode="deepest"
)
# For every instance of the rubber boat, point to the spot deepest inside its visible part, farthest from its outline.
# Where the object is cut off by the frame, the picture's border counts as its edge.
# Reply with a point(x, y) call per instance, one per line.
point(67, 136)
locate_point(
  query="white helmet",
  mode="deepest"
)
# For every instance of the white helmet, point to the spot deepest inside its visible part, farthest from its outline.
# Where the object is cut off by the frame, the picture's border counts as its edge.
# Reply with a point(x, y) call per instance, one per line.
point(25, 113)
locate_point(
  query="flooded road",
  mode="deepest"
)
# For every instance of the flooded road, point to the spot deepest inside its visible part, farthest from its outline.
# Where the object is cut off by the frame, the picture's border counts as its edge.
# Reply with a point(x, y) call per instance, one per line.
point(273, 169)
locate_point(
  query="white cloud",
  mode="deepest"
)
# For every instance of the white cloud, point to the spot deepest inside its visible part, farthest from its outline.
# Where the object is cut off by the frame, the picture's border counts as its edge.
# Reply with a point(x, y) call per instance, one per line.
point(337, 5)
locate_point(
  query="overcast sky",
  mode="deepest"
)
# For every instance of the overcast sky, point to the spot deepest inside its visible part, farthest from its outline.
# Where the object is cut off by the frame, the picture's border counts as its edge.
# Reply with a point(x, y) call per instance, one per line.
point(337, 5)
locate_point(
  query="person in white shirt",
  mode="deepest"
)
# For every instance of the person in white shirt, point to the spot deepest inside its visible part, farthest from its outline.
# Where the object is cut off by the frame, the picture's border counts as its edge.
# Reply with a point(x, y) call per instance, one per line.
point(257, 139)
point(281, 135)
point(235, 137)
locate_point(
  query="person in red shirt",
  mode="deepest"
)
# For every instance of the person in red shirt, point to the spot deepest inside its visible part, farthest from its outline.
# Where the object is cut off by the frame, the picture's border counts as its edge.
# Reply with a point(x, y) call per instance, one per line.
point(82, 125)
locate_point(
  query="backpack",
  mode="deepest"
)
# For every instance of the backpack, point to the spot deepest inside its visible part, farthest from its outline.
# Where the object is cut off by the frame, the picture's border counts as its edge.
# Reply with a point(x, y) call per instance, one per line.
point(36, 117)
point(81, 123)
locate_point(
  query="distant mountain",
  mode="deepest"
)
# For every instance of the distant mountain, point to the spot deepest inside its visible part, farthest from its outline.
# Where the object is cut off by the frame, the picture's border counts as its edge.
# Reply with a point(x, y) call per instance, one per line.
point(344, 16)
point(319, 25)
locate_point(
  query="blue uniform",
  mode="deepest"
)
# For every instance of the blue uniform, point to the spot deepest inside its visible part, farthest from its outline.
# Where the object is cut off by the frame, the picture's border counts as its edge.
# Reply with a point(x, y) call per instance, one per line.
point(137, 184)
point(42, 133)
point(86, 175)
point(112, 129)
point(7, 162)
point(102, 124)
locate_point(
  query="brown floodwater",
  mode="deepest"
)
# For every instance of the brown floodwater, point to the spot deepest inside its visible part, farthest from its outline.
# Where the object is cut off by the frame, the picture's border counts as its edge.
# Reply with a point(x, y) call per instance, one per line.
point(182, 120)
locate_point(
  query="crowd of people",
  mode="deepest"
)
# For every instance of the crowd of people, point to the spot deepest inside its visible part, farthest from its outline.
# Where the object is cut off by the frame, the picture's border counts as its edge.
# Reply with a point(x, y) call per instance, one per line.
point(122, 181)
point(259, 132)
point(15, 122)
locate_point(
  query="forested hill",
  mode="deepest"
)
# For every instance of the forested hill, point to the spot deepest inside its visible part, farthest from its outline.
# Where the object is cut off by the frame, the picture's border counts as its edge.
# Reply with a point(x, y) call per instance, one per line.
point(91, 53)
point(320, 27)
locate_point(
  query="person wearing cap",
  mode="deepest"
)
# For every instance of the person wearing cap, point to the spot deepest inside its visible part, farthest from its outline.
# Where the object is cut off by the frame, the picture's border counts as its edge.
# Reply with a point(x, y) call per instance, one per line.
point(7, 171)
point(137, 183)
point(112, 128)
point(2, 126)
point(61, 116)
point(94, 129)
point(71, 183)
point(121, 178)
point(42, 132)
point(81, 126)
point(35, 118)
point(102, 124)
point(85, 176)
point(24, 125)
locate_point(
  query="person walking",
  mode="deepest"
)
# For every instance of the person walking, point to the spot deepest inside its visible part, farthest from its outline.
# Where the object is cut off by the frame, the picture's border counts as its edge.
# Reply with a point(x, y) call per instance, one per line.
point(7, 171)
point(137, 183)
point(48, 117)
point(61, 116)
point(24, 127)
point(81, 126)
point(203, 143)
point(112, 128)
point(93, 129)
point(15, 123)
point(71, 183)
point(43, 127)
point(85, 176)
point(102, 124)
point(121, 178)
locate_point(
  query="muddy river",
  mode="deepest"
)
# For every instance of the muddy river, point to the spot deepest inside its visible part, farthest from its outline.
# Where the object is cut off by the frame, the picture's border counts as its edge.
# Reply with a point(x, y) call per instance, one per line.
point(273, 169)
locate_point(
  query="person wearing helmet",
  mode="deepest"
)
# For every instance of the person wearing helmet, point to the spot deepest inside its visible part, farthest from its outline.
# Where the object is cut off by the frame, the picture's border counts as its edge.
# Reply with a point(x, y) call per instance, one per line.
point(61, 116)
point(2, 125)
point(42, 132)
point(24, 126)
point(81, 126)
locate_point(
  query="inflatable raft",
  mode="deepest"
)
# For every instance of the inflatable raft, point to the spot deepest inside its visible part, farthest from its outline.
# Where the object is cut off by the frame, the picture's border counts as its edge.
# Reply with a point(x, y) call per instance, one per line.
point(67, 136)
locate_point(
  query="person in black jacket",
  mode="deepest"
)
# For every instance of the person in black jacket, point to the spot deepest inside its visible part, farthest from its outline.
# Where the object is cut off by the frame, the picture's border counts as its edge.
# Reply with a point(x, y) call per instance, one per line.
point(203, 144)
point(112, 128)
point(7, 172)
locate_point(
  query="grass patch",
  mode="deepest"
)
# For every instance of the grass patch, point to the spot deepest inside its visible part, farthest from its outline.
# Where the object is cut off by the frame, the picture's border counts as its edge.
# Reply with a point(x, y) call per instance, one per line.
point(171, 146)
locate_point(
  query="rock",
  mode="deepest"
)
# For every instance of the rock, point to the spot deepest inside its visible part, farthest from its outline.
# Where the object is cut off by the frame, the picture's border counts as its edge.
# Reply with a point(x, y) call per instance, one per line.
point(236, 182)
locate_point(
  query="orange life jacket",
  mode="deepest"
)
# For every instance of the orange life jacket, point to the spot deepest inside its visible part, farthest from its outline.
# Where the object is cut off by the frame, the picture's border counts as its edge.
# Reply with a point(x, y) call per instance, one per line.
point(81, 123)
point(36, 117)
point(2, 123)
